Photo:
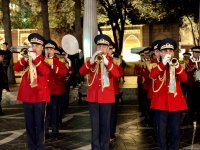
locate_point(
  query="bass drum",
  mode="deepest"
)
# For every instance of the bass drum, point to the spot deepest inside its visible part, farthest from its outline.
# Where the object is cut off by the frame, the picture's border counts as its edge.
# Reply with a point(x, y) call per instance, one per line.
point(70, 44)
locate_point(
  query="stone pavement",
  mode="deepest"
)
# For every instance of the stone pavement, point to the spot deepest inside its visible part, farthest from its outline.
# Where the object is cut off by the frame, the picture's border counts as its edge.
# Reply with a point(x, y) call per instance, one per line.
point(133, 133)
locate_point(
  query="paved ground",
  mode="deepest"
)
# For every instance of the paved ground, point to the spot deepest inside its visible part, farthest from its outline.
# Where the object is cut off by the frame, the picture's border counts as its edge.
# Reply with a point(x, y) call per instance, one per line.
point(133, 133)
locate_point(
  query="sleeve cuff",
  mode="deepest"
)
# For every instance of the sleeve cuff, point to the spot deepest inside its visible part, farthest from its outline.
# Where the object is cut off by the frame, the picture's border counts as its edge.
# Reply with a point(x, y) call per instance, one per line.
point(88, 65)
point(22, 62)
point(179, 70)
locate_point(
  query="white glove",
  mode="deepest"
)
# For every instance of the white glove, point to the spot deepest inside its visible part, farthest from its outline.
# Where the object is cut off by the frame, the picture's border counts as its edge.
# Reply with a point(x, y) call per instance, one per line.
point(93, 57)
point(69, 61)
point(166, 59)
point(32, 55)
point(105, 60)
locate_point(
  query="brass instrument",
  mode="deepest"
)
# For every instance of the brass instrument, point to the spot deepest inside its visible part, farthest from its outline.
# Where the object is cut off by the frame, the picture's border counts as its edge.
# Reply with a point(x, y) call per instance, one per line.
point(32, 68)
point(98, 58)
point(174, 62)
point(49, 60)
point(24, 52)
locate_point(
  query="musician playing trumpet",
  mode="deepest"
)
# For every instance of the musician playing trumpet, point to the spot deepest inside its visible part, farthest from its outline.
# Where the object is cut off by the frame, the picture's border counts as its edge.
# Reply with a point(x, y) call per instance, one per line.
point(193, 83)
point(168, 100)
point(56, 85)
point(33, 91)
point(101, 94)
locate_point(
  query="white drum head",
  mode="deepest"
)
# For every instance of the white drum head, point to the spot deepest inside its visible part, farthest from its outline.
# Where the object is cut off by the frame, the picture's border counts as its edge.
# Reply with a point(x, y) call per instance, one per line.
point(70, 44)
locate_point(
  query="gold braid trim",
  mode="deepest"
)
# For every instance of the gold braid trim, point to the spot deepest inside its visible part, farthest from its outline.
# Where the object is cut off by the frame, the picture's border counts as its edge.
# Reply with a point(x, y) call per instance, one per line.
point(180, 71)
point(159, 68)
point(110, 68)
point(96, 71)
point(153, 83)
point(57, 69)
point(38, 64)
point(20, 62)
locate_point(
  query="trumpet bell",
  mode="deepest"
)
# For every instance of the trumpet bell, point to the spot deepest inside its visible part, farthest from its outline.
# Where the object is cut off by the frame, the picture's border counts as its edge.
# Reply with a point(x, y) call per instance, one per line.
point(174, 62)
point(98, 58)
point(24, 51)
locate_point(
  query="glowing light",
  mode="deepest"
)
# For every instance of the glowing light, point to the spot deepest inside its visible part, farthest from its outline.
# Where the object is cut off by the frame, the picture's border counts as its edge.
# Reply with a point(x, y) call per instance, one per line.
point(130, 57)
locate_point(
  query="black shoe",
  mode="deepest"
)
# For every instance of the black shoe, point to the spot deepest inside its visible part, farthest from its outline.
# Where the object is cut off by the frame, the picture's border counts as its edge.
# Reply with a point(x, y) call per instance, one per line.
point(112, 142)
point(142, 115)
point(55, 135)
point(55, 132)
point(1, 113)
point(47, 135)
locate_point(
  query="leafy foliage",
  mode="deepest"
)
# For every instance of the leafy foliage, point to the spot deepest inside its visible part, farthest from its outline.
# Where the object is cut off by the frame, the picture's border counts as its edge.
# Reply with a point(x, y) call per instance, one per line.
point(28, 14)
point(22, 17)
point(153, 11)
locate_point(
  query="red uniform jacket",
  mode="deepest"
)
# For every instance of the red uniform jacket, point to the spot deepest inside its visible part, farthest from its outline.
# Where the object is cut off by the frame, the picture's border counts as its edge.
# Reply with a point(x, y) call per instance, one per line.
point(95, 92)
point(147, 80)
point(116, 80)
point(56, 84)
point(152, 65)
point(162, 99)
point(39, 93)
point(190, 70)
point(139, 70)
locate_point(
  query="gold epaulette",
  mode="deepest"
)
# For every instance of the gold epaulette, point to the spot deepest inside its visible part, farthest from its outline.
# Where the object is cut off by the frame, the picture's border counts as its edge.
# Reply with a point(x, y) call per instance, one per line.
point(183, 64)
point(152, 65)
point(62, 60)
point(141, 64)
point(117, 61)
point(48, 61)
point(88, 58)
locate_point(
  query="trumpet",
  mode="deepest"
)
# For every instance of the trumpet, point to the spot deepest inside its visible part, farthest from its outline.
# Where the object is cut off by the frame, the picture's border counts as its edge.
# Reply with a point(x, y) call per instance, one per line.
point(174, 62)
point(24, 52)
point(98, 58)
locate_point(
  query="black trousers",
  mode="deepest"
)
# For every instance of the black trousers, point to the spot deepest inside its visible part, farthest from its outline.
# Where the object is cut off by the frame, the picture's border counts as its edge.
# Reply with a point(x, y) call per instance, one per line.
point(34, 114)
point(0, 100)
point(53, 113)
point(167, 126)
point(100, 124)
point(113, 116)
point(1, 90)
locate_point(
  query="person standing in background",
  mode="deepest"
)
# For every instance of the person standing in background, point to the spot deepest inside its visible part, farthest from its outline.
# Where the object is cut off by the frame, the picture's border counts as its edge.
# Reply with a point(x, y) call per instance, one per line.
point(1, 80)
point(113, 119)
point(67, 82)
point(6, 64)
point(193, 84)
point(56, 85)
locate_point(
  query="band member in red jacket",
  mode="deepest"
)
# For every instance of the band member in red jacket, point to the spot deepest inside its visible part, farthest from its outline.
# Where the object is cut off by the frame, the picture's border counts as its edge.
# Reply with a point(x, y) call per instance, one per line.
point(113, 119)
point(193, 84)
point(56, 84)
point(139, 72)
point(66, 80)
point(101, 93)
point(34, 91)
point(168, 100)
